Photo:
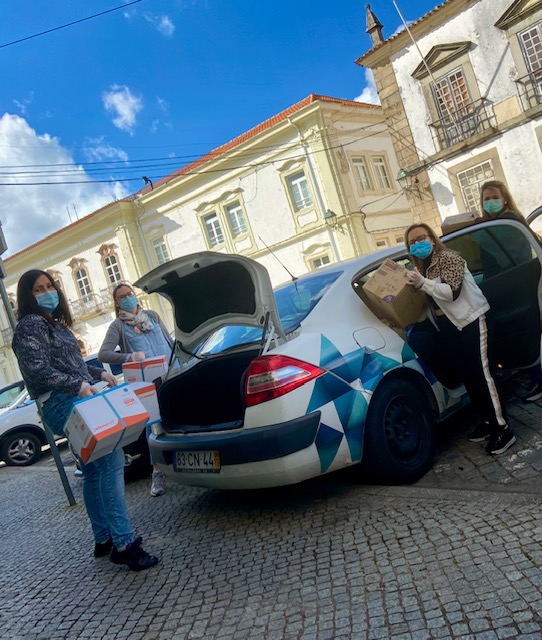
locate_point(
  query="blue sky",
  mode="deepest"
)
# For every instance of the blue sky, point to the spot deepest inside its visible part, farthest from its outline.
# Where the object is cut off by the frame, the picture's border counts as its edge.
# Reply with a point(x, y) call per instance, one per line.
point(168, 79)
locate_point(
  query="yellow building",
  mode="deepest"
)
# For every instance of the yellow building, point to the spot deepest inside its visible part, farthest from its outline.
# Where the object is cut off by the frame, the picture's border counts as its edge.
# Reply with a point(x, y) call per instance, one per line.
point(313, 185)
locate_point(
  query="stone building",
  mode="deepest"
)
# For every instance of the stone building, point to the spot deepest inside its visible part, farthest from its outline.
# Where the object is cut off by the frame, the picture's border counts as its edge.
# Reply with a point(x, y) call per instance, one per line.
point(461, 92)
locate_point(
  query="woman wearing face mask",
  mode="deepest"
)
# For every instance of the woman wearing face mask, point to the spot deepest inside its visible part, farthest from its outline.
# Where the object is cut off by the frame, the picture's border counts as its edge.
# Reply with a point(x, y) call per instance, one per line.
point(459, 309)
point(497, 202)
point(56, 376)
point(139, 334)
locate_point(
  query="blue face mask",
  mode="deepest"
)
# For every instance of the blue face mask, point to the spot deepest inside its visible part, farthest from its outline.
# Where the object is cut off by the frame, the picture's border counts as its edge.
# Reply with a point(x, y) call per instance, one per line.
point(129, 303)
point(493, 207)
point(48, 301)
point(421, 249)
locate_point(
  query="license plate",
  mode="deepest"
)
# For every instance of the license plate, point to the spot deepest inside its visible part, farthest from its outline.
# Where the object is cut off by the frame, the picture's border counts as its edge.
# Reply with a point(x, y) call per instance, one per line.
point(197, 461)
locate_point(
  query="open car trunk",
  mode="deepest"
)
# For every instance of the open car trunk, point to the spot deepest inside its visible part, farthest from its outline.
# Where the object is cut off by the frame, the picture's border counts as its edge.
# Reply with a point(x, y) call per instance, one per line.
point(208, 396)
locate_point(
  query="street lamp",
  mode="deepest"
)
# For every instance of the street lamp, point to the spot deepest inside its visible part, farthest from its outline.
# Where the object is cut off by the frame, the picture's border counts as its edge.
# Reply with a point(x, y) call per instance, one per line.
point(330, 218)
point(409, 182)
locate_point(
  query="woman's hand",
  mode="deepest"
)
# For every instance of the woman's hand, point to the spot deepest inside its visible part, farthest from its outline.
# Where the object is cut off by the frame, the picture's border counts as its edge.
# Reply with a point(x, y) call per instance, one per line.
point(87, 390)
point(414, 277)
point(137, 355)
point(109, 378)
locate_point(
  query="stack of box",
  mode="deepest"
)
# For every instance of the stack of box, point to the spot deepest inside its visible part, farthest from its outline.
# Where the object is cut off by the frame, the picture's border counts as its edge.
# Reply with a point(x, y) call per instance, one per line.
point(101, 423)
point(389, 296)
point(145, 370)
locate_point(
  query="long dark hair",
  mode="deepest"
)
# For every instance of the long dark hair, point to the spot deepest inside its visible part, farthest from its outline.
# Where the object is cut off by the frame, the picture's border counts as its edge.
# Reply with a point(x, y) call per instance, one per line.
point(27, 303)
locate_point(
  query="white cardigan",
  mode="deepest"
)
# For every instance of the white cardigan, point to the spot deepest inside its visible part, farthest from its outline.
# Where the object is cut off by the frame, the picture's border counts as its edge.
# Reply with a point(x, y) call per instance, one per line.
point(467, 307)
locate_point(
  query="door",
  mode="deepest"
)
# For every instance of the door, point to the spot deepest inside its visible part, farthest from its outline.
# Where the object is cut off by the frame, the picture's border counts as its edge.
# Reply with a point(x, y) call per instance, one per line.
point(504, 258)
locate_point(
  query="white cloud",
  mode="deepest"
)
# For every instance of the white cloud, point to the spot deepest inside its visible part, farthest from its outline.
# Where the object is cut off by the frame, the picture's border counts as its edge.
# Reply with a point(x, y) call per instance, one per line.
point(96, 150)
point(23, 103)
point(29, 213)
point(369, 93)
point(163, 24)
point(164, 106)
point(121, 101)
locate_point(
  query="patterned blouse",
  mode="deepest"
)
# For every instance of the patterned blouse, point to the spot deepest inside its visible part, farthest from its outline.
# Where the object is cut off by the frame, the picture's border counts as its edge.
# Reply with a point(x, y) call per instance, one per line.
point(50, 358)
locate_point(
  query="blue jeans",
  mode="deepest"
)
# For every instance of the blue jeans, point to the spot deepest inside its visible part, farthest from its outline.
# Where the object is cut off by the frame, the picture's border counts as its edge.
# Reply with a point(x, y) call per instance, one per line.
point(103, 480)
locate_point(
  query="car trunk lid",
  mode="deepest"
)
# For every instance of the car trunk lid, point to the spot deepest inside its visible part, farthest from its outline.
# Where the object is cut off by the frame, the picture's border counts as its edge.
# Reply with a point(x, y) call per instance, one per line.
point(210, 290)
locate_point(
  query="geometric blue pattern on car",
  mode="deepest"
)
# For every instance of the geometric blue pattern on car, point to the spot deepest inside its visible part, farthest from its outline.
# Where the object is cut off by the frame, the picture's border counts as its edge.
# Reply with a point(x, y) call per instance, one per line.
point(374, 367)
point(326, 388)
point(333, 360)
point(352, 411)
point(350, 404)
point(327, 443)
point(407, 354)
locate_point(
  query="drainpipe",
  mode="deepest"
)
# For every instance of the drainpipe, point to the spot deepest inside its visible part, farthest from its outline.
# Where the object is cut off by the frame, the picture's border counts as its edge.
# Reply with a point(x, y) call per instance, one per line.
point(318, 193)
point(161, 303)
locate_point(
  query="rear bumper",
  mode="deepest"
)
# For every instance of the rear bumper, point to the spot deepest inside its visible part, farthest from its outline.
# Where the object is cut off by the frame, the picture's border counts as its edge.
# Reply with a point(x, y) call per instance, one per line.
point(246, 446)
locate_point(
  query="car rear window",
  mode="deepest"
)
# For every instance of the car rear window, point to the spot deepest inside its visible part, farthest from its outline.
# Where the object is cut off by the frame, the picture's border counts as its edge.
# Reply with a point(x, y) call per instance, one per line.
point(294, 303)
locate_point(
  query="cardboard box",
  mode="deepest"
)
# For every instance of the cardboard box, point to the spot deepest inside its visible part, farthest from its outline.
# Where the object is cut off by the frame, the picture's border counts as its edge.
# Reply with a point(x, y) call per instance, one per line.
point(145, 370)
point(389, 296)
point(459, 221)
point(101, 423)
point(146, 392)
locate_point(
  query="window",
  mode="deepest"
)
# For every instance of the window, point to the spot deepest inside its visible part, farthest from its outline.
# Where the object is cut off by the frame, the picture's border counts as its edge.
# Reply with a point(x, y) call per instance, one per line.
point(321, 261)
point(399, 239)
point(213, 230)
point(470, 182)
point(83, 284)
point(381, 173)
point(458, 118)
point(236, 219)
point(381, 243)
point(161, 251)
point(299, 190)
point(362, 174)
point(531, 41)
point(112, 269)
point(451, 94)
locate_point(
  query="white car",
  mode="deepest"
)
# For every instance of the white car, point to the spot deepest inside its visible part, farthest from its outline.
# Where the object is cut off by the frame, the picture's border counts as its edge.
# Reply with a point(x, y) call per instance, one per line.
point(277, 389)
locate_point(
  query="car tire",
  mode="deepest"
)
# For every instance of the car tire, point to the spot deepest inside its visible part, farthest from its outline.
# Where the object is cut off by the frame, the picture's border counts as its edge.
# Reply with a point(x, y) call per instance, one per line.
point(21, 449)
point(400, 434)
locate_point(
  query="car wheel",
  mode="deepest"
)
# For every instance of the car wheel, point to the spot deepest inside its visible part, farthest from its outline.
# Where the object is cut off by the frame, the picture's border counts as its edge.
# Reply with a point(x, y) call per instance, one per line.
point(21, 449)
point(400, 434)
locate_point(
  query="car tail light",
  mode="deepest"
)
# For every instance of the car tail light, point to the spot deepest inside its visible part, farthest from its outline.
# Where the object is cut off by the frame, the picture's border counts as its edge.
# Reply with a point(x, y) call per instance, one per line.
point(270, 377)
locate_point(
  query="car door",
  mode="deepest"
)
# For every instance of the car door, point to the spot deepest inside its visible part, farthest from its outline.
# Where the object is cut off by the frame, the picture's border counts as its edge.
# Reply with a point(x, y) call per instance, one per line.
point(505, 260)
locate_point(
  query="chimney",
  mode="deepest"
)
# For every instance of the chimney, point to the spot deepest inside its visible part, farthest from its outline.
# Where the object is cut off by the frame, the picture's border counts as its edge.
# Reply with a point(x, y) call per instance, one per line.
point(374, 27)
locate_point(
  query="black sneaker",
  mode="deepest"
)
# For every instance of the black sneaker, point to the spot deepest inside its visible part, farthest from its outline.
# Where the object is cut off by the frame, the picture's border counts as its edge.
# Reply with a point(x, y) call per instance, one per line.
point(134, 557)
point(534, 393)
point(500, 442)
point(102, 549)
point(480, 433)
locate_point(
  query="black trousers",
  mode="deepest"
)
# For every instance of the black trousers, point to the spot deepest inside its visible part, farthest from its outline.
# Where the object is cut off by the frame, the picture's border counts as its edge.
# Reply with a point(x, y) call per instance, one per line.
point(457, 357)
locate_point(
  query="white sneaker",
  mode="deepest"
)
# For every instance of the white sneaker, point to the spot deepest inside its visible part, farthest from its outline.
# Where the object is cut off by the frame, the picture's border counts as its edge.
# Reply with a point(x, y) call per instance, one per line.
point(157, 486)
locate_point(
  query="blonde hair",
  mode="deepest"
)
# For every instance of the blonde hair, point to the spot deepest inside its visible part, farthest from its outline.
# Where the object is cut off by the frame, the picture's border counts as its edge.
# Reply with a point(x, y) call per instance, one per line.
point(508, 200)
point(436, 240)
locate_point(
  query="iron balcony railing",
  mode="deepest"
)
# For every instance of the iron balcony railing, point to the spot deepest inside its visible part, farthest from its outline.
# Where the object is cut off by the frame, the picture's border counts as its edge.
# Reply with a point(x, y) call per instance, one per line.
point(530, 89)
point(467, 121)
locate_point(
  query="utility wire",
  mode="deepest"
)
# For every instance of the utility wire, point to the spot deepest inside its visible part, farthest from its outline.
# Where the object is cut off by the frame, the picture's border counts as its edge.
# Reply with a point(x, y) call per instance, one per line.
point(69, 24)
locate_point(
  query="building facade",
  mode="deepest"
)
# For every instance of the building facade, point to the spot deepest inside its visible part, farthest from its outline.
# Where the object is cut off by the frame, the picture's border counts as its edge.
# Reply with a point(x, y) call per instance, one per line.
point(311, 186)
point(470, 109)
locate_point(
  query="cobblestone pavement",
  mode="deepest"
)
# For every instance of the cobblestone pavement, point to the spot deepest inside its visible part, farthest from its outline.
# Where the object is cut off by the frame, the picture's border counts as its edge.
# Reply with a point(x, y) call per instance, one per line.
point(458, 555)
